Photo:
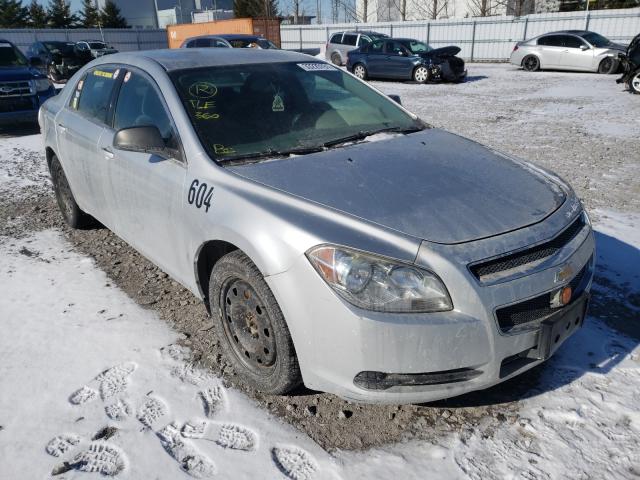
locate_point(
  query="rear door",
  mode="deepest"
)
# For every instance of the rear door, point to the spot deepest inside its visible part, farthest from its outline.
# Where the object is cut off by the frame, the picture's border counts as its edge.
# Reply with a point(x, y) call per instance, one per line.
point(551, 48)
point(145, 190)
point(79, 127)
point(577, 55)
point(349, 42)
point(375, 59)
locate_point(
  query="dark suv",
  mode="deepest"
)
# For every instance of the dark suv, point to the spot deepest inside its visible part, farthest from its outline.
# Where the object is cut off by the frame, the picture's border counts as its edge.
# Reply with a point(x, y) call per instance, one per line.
point(60, 60)
point(22, 87)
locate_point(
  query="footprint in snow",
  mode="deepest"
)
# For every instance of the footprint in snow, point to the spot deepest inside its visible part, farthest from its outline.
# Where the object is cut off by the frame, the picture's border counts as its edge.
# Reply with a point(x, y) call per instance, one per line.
point(115, 380)
point(97, 457)
point(294, 462)
point(226, 435)
point(118, 410)
point(189, 459)
point(58, 445)
point(83, 395)
point(213, 400)
point(150, 411)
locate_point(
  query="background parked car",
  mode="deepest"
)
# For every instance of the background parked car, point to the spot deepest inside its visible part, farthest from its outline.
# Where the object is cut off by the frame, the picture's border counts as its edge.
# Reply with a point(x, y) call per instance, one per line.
point(96, 48)
point(342, 42)
point(577, 50)
point(248, 41)
point(60, 60)
point(631, 66)
point(22, 87)
point(205, 41)
point(406, 59)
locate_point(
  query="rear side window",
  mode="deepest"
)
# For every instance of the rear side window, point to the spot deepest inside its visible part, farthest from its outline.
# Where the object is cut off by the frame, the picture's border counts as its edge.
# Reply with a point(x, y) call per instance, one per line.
point(336, 38)
point(93, 93)
point(551, 41)
point(349, 39)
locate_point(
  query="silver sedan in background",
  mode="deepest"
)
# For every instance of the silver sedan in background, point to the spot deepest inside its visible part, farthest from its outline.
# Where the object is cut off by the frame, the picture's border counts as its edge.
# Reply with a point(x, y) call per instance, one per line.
point(576, 50)
point(336, 239)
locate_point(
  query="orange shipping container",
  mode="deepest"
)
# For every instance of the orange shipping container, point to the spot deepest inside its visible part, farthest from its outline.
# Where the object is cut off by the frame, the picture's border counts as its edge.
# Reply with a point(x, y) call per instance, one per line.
point(268, 28)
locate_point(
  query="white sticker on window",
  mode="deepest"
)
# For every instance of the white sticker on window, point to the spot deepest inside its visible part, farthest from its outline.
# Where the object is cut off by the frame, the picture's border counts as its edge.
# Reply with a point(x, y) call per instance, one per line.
point(315, 67)
point(116, 73)
point(127, 77)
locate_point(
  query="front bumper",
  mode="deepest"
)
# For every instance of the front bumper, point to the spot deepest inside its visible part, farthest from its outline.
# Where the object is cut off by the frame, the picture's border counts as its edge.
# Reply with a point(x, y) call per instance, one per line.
point(27, 113)
point(336, 342)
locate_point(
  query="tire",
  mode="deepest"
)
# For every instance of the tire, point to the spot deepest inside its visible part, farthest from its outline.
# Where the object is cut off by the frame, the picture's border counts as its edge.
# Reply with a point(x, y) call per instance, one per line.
point(421, 74)
point(360, 71)
point(336, 59)
point(53, 74)
point(634, 83)
point(251, 327)
point(607, 66)
point(531, 63)
point(71, 212)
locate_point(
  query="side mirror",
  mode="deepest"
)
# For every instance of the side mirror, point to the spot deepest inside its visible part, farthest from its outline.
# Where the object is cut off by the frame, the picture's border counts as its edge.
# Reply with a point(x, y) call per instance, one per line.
point(584, 47)
point(145, 139)
point(35, 61)
point(395, 98)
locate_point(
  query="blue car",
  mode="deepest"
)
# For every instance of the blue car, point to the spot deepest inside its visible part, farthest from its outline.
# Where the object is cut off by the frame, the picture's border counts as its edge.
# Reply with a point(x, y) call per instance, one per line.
point(406, 59)
point(22, 87)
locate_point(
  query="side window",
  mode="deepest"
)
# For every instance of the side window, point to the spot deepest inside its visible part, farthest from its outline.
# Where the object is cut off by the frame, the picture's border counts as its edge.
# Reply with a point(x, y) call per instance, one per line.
point(203, 43)
point(349, 39)
point(394, 48)
point(190, 44)
point(220, 44)
point(572, 42)
point(551, 41)
point(93, 93)
point(376, 47)
point(363, 41)
point(336, 38)
point(139, 104)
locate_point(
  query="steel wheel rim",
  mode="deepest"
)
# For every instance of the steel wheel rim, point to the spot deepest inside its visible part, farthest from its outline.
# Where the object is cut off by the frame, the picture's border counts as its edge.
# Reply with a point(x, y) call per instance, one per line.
point(531, 63)
point(64, 197)
point(247, 326)
point(421, 74)
point(635, 82)
point(359, 71)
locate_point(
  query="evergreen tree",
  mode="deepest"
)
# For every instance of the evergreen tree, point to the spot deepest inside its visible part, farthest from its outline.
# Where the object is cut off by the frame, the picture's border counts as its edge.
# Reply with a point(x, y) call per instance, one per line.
point(89, 14)
point(110, 16)
point(59, 13)
point(13, 14)
point(255, 8)
point(37, 15)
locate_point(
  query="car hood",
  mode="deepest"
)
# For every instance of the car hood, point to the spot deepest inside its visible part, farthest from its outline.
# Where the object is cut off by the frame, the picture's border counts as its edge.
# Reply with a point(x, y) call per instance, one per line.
point(432, 185)
point(14, 74)
point(449, 51)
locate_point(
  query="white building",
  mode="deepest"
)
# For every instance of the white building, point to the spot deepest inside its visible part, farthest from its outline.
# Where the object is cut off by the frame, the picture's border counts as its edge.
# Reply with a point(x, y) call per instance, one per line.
point(391, 10)
point(137, 13)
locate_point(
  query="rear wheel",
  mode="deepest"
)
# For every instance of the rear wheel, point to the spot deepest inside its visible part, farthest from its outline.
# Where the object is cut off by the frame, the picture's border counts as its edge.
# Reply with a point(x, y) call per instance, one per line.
point(607, 65)
point(634, 83)
point(360, 71)
point(53, 74)
point(421, 74)
point(70, 210)
point(251, 327)
point(531, 63)
point(335, 59)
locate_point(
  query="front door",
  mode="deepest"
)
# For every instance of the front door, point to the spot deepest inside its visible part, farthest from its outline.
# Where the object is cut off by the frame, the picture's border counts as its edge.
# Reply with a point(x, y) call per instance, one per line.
point(145, 190)
point(398, 61)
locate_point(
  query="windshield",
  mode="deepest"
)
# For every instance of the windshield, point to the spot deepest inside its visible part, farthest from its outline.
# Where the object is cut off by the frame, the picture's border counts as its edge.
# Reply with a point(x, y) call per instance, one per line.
point(417, 47)
point(280, 108)
point(596, 40)
point(59, 47)
point(97, 45)
point(11, 56)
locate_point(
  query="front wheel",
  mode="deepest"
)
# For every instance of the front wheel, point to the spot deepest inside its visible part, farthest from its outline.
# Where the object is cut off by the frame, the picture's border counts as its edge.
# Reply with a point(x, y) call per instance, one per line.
point(360, 71)
point(53, 74)
point(531, 63)
point(634, 83)
point(251, 327)
point(421, 74)
point(607, 66)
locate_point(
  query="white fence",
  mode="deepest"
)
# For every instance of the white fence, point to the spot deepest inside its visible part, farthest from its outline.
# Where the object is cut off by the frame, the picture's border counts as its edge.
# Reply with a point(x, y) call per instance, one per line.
point(480, 38)
point(122, 39)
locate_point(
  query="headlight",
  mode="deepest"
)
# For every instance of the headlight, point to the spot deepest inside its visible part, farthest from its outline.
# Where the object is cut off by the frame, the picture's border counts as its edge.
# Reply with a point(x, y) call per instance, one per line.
point(42, 84)
point(375, 283)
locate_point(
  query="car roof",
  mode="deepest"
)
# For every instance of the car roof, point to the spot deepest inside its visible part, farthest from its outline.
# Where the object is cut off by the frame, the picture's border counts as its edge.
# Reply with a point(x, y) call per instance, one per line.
point(178, 59)
point(569, 32)
point(205, 36)
point(362, 32)
point(239, 36)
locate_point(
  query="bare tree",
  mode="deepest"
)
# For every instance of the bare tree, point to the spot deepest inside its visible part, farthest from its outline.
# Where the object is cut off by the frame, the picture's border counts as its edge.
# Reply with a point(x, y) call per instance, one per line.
point(432, 9)
point(517, 8)
point(481, 8)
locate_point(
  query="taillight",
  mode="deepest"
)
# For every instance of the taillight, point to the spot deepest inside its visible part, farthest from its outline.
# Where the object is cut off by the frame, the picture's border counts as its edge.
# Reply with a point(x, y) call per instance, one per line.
point(515, 48)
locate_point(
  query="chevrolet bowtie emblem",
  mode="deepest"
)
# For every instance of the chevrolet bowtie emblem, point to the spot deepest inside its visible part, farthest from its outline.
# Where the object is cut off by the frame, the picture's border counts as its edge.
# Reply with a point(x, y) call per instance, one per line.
point(564, 274)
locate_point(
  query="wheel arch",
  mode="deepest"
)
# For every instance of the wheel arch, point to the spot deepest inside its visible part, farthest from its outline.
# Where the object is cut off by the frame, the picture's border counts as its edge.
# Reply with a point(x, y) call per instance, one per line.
point(207, 255)
point(49, 154)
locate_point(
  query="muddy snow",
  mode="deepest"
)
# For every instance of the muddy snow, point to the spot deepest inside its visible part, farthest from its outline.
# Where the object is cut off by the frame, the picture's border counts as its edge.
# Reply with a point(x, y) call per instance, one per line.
point(108, 368)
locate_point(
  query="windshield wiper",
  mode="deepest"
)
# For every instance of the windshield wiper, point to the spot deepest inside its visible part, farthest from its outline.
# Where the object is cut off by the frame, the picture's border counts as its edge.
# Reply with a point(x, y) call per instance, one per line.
point(270, 153)
point(361, 135)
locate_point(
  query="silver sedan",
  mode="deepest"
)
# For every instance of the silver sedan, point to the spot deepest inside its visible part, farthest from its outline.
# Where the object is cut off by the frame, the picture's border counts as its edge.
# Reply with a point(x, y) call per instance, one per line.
point(576, 50)
point(335, 238)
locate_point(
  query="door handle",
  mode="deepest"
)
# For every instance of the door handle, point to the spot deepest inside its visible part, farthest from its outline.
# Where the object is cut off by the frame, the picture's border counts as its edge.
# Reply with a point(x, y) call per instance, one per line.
point(108, 153)
point(62, 128)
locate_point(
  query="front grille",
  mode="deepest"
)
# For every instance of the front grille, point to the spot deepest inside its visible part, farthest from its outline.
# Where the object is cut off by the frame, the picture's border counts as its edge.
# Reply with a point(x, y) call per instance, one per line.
point(538, 308)
point(15, 89)
point(529, 255)
point(16, 104)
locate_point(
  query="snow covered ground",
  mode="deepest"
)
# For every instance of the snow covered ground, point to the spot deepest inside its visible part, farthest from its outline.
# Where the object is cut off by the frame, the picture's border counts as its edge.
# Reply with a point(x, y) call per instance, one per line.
point(92, 382)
